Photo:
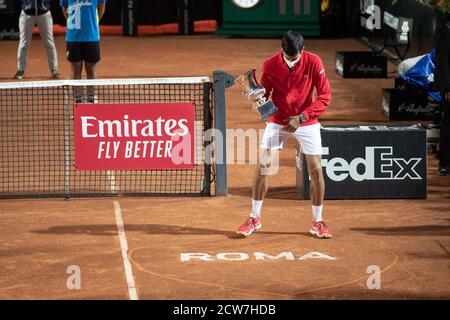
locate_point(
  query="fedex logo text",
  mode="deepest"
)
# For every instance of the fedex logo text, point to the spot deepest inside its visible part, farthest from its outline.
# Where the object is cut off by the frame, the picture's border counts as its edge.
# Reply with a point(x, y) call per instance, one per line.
point(379, 163)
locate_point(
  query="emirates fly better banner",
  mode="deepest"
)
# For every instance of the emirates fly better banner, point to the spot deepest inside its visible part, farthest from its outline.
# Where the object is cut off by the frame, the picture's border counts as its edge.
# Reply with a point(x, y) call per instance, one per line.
point(137, 136)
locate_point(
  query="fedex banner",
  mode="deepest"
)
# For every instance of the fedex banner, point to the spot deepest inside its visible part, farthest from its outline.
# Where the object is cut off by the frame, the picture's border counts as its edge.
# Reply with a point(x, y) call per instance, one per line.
point(135, 136)
point(370, 162)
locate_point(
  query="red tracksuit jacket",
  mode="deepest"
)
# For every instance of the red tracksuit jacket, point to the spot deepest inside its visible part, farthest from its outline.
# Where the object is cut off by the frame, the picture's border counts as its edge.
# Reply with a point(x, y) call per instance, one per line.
point(292, 90)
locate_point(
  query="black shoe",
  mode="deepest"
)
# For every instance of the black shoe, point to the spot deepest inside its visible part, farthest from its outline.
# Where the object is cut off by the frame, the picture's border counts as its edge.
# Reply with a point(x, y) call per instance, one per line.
point(19, 74)
point(444, 171)
point(91, 98)
point(55, 74)
point(78, 99)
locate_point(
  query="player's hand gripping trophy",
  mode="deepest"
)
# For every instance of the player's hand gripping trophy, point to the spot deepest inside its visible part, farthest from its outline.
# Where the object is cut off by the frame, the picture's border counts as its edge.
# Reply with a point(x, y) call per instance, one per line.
point(255, 93)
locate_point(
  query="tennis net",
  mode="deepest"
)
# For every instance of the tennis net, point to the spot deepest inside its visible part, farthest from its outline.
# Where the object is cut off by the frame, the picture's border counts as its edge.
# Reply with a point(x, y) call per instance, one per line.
point(37, 153)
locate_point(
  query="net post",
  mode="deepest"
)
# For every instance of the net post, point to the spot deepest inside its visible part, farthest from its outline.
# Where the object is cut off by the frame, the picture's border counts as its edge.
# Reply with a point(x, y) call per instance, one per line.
point(66, 143)
point(222, 81)
point(207, 124)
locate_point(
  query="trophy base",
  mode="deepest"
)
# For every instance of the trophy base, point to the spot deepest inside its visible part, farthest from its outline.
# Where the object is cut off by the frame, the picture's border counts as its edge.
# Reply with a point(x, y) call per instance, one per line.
point(267, 109)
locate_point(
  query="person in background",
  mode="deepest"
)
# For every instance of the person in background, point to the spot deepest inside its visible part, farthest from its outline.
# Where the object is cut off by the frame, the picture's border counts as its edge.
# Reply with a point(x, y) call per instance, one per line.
point(442, 81)
point(83, 39)
point(36, 12)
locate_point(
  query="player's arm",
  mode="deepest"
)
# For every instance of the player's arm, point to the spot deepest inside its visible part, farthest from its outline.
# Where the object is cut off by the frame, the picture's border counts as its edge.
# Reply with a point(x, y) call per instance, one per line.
point(323, 99)
point(64, 10)
point(319, 105)
point(64, 5)
point(101, 10)
point(266, 83)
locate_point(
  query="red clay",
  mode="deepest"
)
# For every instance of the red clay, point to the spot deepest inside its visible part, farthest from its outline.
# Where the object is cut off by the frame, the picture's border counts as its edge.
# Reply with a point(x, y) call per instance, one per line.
point(408, 239)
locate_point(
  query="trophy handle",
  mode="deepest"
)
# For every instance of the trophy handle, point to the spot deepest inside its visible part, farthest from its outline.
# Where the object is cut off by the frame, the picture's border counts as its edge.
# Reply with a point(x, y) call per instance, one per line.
point(252, 89)
point(254, 76)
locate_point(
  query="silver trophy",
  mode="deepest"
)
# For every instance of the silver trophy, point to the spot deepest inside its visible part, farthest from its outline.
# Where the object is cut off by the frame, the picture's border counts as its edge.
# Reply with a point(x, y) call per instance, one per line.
point(255, 93)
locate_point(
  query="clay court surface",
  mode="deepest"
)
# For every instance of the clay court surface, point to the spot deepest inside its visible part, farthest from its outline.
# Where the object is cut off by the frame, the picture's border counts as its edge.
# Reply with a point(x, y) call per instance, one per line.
point(408, 239)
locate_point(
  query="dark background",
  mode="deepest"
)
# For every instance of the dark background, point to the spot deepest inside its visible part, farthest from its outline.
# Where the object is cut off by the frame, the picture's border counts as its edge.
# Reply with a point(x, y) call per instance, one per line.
point(424, 19)
point(149, 12)
point(341, 20)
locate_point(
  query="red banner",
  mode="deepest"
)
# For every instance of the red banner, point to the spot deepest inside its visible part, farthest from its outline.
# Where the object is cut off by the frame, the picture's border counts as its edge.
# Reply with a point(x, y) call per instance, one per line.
point(135, 136)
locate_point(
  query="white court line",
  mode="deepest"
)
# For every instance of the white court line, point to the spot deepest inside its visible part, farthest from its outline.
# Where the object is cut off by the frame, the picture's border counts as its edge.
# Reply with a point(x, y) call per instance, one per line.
point(124, 247)
point(123, 240)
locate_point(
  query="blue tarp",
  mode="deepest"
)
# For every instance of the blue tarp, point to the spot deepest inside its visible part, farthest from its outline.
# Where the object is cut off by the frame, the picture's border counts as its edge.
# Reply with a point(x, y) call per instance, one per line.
point(422, 76)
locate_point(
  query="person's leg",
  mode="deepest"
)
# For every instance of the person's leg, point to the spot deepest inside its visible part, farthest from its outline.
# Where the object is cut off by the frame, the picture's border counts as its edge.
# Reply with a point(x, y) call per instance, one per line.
point(75, 72)
point(45, 23)
point(260, 184)
point(442, 83)
point(91, 55)
point(444, 140)
point(271, 142)
point(75, 57)
point(317, 191)
point(91, 73)
point(75, 69)
point(26, 25)
point(317, 185)
point(268, 164)
point(310, 142)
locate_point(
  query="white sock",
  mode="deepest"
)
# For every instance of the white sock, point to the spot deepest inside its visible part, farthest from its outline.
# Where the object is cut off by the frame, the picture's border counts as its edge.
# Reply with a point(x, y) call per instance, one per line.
point(256, 208)
point(317, 213)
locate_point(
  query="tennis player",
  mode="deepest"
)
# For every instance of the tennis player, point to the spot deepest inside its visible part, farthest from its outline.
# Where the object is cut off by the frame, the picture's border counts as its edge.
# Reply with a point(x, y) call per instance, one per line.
point(291, 77)
point(83, 38)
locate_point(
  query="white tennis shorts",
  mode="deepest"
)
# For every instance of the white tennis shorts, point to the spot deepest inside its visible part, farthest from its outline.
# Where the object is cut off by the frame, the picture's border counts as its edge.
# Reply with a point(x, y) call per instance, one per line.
point(308, 137)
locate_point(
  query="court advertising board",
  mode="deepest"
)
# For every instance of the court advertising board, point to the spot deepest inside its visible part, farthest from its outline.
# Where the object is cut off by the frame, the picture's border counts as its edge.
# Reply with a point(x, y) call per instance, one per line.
point(370, 162)
point(134, 136)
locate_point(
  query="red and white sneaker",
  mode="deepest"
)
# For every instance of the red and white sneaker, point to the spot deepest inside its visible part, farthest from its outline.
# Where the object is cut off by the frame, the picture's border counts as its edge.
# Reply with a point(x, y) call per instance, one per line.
point(320, 230)
point(249, 226)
